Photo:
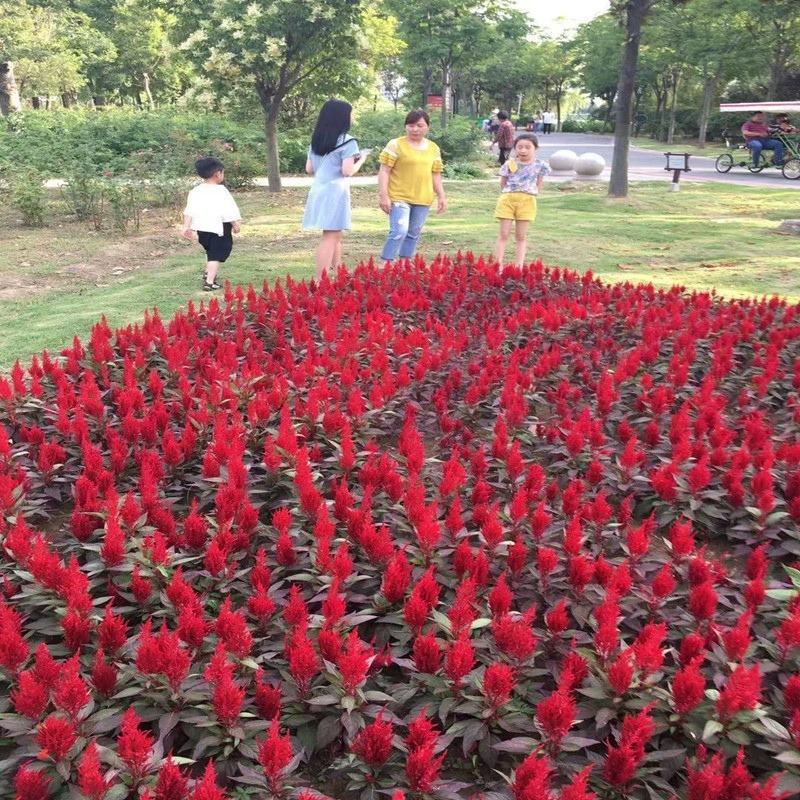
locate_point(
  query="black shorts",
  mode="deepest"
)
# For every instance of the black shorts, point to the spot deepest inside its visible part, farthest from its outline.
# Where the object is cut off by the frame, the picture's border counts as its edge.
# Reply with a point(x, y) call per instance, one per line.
point(217, 247)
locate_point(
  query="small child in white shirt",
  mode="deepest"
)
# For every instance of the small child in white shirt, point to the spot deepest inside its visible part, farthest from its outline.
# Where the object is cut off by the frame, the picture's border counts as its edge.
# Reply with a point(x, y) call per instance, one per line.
point(213, 213)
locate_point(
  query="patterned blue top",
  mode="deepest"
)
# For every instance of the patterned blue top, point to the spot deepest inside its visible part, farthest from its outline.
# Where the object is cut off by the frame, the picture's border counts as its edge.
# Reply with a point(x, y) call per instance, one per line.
point(328, 204)
point(523, 177)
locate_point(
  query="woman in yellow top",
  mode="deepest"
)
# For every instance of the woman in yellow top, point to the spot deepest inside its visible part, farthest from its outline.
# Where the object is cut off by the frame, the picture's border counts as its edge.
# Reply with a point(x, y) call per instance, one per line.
point(410, 175)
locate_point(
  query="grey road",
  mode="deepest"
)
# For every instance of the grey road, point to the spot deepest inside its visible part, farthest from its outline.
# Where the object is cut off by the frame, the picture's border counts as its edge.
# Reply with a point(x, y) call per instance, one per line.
point(649, 164)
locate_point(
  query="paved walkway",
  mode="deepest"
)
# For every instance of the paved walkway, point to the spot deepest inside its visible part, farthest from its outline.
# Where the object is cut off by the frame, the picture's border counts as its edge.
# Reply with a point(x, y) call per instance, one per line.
point(644, 165)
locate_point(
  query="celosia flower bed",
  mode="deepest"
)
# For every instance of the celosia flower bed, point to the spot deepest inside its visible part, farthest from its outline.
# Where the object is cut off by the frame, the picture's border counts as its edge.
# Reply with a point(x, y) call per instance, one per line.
point(430, 531)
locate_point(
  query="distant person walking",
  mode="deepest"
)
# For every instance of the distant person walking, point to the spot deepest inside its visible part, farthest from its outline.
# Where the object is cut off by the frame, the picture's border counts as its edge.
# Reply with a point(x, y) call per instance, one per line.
point(549, 121)
point(409, 177)
point(211, 213)
point(504, 138)
point(333, 157)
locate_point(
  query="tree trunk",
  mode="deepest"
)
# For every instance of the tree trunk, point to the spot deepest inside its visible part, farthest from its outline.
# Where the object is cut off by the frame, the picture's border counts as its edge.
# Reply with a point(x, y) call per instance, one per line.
point(673, 106)
point(271, 114)
point(635, 13)
point(446, 89)
point(9, 93)
point(709, 90)
point(558, 111)
point(427, 80)
point(147, 92)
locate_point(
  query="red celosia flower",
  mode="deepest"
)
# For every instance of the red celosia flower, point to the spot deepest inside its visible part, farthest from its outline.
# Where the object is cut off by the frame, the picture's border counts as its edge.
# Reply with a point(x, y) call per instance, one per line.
point(741, 692)
point(396, 578)
point(788, 635)
point(532, 779)
point(459, 661)
point(427, 653)
point(501, 597)
point(663, 584)
point(555, 715)
point(648, 647)
point(303, 660)
point(113, 631)
point(56, 737)
point(171, 783)
point(574, 671)
point(373, 744)
point(30, 697)
point(557, 619)
point(231, 627)
point(90, 776)
point(791, 693)
point(703, 601)
point(579, 788)
point(422, 732)
point(354, 662)
point(737, 639)
point(620, 765)
point(134, 746)
point(227, 701)
point(104, 676)
point(620, 673)
point(274, 755)
point(267, 699)
point(498, 683)
point(206, 788)
point(422, 769)
point(71, 693)
point(688, 687)
point(30, 784)
point(515, 637)
point(140, 586)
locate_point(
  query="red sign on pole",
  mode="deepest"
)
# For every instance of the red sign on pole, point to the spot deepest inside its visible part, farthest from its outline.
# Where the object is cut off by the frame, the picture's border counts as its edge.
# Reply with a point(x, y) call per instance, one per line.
point(434, 101)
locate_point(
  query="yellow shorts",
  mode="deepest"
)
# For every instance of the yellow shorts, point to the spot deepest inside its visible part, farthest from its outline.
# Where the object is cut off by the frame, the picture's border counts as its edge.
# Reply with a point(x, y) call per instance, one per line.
point(516, 205)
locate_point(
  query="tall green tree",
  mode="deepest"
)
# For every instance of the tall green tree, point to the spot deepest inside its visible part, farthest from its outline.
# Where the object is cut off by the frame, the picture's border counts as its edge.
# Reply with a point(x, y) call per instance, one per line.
point(632, 14)
point(442, 36)
point(598, 54)
point(274, 48)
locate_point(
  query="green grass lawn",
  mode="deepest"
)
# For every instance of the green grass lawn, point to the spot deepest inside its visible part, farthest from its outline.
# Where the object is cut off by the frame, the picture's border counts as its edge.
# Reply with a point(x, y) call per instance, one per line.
point(711, 150)
point(58, 280)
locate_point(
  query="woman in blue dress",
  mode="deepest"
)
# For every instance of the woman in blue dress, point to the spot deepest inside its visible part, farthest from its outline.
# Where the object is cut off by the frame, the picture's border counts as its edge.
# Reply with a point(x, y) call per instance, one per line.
point(332, 158)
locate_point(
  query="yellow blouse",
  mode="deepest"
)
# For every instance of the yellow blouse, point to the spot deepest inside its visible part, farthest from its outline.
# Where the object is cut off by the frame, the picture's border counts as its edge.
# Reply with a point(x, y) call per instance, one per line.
point(411, 169)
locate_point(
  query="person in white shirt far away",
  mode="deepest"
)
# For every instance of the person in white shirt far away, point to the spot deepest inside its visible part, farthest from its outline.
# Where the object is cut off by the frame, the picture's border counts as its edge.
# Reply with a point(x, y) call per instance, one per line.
point(212, 213)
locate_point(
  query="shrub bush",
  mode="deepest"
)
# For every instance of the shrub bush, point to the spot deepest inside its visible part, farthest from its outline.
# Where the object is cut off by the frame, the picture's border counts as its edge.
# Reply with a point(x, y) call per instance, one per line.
point(437, 529)
point(464, 170)
point(27, 195)
point(577, 125)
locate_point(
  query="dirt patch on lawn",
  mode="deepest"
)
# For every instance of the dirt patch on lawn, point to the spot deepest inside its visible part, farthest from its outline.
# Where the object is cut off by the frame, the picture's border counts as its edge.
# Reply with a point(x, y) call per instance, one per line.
point(105, 262)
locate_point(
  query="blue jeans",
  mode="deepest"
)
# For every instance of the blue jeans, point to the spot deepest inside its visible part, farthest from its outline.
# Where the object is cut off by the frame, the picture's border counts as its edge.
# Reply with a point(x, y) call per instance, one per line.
point(757, 145)
point(405, 227)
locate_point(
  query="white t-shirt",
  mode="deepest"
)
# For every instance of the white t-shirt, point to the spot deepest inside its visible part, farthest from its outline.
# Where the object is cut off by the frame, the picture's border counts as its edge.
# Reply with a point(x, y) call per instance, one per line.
point(209, 205)
point(549, 117)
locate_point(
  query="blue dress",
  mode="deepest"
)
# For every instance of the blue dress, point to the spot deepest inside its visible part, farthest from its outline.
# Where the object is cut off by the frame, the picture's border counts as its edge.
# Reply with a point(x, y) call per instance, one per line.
point(328, 203)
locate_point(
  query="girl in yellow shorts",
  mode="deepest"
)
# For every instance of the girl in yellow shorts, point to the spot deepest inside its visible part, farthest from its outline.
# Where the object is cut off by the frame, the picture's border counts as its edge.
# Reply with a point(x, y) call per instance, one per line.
point(520, 180)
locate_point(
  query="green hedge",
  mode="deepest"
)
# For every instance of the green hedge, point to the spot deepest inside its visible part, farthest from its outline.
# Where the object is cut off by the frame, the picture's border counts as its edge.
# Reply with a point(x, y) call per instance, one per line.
point(120, 141)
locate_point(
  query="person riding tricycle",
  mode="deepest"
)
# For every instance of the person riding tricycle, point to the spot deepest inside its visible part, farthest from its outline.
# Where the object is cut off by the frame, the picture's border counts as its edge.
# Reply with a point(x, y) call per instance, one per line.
point(775, 144)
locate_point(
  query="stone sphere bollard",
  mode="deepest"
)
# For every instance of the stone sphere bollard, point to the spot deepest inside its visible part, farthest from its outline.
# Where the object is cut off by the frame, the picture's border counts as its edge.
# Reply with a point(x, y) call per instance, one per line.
point(563, 161)
point(588, 166)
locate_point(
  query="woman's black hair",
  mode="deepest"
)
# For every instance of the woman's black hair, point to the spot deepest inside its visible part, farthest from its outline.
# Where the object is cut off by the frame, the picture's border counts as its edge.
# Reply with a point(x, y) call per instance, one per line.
point(333, 121)
point(416, 116)
point(502, 115)
point(527, 137)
